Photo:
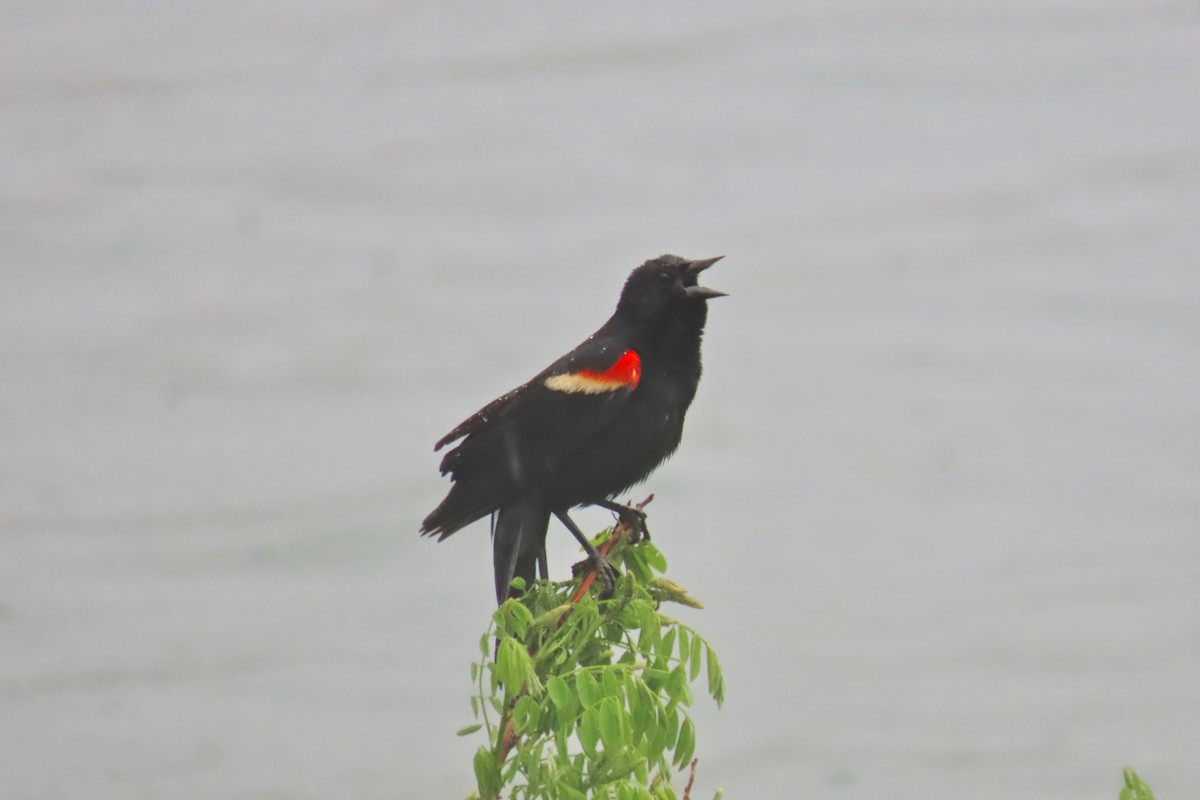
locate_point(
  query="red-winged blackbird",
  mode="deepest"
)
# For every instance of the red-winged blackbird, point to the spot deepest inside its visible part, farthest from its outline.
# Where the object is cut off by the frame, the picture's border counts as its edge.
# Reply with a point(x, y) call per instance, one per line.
point(589, 426)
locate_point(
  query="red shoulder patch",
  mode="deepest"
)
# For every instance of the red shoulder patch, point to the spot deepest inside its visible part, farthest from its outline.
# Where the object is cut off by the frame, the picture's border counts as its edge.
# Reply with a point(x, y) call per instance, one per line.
point(626, 373)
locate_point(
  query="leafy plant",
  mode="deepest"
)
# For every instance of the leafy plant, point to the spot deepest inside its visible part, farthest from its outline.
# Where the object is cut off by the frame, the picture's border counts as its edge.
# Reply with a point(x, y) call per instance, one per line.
point(586, 697)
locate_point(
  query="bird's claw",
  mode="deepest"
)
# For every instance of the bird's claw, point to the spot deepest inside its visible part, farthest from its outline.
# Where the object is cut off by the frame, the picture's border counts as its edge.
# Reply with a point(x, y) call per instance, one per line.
point(606, 572)
point(635, 520)
point(604, 569)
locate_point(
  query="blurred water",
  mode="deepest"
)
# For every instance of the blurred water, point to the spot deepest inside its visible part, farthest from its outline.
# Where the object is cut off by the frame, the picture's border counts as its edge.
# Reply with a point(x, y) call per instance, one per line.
point(939, 488)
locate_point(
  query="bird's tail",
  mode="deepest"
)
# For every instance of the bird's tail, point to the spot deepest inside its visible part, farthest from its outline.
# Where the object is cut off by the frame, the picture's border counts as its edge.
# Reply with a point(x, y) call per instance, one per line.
point(519, 542)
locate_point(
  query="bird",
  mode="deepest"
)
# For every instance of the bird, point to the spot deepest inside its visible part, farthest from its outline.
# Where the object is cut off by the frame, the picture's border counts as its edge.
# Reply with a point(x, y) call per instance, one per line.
point(591, 425)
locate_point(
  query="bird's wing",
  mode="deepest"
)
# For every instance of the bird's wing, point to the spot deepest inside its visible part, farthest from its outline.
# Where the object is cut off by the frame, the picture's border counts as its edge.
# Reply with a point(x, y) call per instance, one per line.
point(544, 420)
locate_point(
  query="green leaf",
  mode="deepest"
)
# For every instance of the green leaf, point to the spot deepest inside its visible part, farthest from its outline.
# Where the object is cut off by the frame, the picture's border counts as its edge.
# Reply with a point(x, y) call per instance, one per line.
point(515, 669)
point(686, 745)
point(633, 791)
point(655, 678)
point(570, 793)
point(653, 556)
point(656, 741)
point(638, 712)
point(716, 681)
point(694, 658)
point(671, 724)
point(487, 774)
point(589, 732)
point(467, 731)
point(587, 688)
point(610, 724)
point(651, 631)
point(561, 742)
point(666, 646)
point(684, 646)
point(1135, 787)
point(641, 774)
point(609, 680)
point(638, 566)
point(649, 703)
point(508, 664)
point(676, 687)
point(560, 694)
point(526, 713)
point(514, 617)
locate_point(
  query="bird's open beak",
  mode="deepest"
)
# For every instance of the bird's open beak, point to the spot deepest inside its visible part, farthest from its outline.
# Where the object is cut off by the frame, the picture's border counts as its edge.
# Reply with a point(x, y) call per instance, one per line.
point(694, 269)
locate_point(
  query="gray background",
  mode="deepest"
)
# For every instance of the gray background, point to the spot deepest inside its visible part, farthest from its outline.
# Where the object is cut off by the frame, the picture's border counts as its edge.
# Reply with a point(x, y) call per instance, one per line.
point(939, 487)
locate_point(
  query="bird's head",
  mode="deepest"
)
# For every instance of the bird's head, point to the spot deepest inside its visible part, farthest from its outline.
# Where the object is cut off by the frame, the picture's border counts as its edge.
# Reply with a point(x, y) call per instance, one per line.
point(665, 286)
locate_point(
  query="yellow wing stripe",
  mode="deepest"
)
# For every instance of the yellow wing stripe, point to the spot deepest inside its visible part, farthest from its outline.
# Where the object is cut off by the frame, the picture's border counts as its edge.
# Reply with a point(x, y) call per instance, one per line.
point(580, 382)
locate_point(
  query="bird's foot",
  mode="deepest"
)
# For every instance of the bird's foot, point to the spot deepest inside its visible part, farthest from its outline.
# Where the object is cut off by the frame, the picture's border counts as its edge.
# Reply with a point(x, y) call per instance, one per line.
point(604, 570)
point(631, 516)
point(607, 572)
point(634, 519)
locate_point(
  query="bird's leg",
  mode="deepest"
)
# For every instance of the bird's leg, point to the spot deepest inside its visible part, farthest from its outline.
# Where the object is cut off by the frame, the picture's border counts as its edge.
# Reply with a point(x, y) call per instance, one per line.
point(632, 517)
point(543, 568)
point(606, 571)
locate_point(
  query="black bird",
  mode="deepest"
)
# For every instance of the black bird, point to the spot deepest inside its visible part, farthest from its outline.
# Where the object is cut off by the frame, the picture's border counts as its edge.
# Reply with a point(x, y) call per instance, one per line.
point(591, 425)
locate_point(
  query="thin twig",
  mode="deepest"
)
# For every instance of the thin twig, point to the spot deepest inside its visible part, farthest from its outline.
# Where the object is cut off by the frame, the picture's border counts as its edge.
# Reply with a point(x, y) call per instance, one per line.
point(687, 790)
point(508, 742)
